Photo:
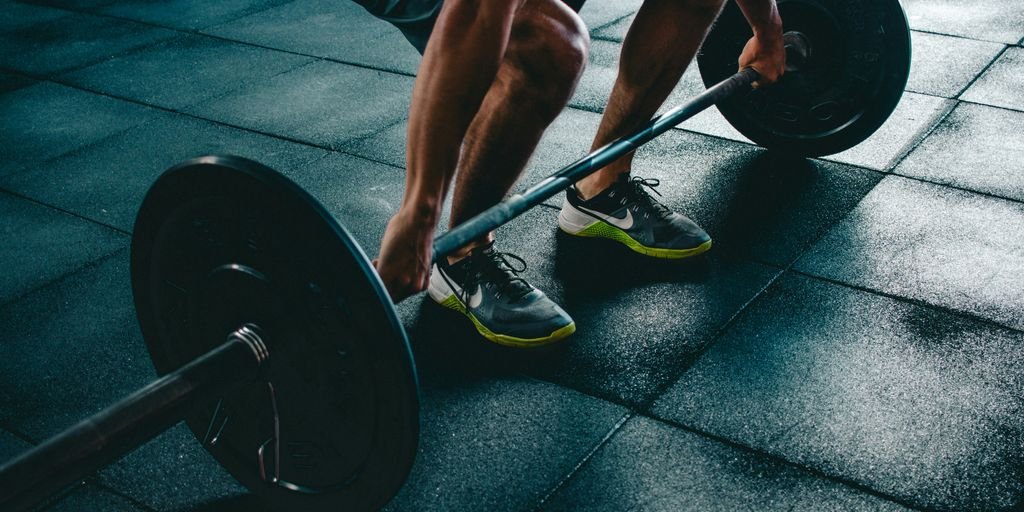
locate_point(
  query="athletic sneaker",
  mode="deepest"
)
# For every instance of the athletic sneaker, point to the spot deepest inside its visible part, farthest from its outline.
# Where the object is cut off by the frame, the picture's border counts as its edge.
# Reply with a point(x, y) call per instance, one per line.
point(627, 213)
point(503, 306)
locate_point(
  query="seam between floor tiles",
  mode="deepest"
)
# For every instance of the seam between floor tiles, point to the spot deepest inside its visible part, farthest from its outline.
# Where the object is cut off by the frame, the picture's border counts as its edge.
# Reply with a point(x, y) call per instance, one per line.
point(934, 33)
point(909, 148)
point(93, 481)
point(625, 418)
point(583, 462)
point(646, 404)
point(66, 212)
point(899, 160)
point(135, 51)
point(186, 114)
point(593, 31)
point(15, 432)
point(784, 461)
point(272, 135)
point(104, 58)
point(989, 105)
point(57, 280)
point(201, 33)
point(890, 170)
point(912, 301)
point(981, 73)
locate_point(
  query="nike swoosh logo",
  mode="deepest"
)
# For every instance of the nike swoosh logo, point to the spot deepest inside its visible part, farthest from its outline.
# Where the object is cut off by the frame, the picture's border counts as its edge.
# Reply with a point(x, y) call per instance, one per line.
point(474, 300)
point(623, 223)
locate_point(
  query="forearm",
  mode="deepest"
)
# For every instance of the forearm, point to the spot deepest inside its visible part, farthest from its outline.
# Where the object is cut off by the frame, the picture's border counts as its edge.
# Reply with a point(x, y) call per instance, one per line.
point(459, 66)
point(763, 17)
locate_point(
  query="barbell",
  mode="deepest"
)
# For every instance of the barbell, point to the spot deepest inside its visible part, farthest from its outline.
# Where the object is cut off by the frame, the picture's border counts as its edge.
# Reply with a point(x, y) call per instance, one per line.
point(279, 346)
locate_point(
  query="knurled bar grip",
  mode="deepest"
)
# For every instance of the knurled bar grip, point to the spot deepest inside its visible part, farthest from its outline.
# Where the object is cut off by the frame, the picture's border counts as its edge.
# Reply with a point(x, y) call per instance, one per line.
point(517, 204)
point(122, 427)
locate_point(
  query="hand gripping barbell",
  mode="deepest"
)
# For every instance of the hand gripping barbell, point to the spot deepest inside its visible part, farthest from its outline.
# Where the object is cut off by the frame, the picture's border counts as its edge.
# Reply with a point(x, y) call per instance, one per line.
point(279, 346)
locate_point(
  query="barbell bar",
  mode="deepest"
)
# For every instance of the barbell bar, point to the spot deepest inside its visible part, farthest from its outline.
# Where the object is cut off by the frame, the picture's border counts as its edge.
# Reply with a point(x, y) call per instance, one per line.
point(312, 400)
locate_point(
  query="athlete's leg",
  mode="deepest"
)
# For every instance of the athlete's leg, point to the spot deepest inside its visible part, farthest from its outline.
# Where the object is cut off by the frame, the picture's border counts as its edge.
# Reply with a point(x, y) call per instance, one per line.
point(545, 58)
point(661, 42)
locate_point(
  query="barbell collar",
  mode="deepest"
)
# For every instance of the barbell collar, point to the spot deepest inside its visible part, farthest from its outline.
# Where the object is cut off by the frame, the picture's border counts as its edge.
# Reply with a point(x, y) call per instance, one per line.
point(29, 479)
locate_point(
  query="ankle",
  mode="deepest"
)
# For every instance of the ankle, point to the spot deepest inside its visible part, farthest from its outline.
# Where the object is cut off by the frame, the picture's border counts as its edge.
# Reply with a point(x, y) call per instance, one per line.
point(595, 184)
point(467, 250)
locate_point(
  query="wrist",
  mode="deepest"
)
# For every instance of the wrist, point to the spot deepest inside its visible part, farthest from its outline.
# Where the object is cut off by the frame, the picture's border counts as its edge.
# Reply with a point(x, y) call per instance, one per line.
point(771, 31)
point(421, 214)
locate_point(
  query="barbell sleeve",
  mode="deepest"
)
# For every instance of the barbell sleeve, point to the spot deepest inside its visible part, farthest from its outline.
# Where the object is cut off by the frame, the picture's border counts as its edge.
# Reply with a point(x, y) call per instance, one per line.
point(107, 435)
point(517, 204)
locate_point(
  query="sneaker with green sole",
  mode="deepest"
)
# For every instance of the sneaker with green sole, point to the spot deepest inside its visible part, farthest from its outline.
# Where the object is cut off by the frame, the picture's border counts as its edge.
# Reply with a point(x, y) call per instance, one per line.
point(627, 213)
point(486, 287)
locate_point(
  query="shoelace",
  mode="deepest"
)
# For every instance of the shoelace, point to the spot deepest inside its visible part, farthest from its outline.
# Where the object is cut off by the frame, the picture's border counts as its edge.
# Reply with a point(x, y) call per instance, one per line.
point(498, 267)
point(638, 186)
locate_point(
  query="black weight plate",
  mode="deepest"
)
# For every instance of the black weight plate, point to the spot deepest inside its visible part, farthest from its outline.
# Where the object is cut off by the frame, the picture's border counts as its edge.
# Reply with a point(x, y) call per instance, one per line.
point(855, 75)
point(224, 241)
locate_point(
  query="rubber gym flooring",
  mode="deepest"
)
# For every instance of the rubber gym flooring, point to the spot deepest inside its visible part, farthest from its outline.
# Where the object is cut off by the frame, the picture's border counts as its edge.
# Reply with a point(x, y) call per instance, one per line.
point(854, 341)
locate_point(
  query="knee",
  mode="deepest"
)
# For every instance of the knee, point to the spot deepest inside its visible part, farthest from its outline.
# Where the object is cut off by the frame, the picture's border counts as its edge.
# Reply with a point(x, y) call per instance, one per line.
point(549, 52)
point(565, 44)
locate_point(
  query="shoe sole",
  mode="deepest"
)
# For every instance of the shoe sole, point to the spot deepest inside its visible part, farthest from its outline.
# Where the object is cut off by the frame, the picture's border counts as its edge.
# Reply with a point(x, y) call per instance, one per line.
point(440, 293)
point(596, 228)
point(452, 302)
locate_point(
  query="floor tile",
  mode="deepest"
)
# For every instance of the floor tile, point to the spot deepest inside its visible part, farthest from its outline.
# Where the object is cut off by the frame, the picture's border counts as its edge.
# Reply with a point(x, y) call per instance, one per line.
point(945, 66)
point(930, 243)
point(325, 28)
point(93, 498)
point(362, 195)
point(977, 148)
point(47, 120)
point(187, 14)
point(11, 445)
point(756, 205)
point(386, 145)
point(598, 13)
point(71, 349)
point(909, 401)
point(989, 20)
point(11, 82)
point(614, 31)
point(18, 15)
point(500, 443)
point(599, 78)
point(642, 468)
point(323, 103)
point(72, 42)
point(41, 244)
point(172, 472)
point(906, 126)
point(107, 181)
point(184, 71)
point(1000, 86)
point(73, 5)
point(638, 322)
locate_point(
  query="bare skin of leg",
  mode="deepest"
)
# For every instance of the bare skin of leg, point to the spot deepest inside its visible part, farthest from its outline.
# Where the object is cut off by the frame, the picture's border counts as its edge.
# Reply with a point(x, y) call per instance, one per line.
point(460, 64)
point(546, 56)
point(660, 44)
point(471, 69)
